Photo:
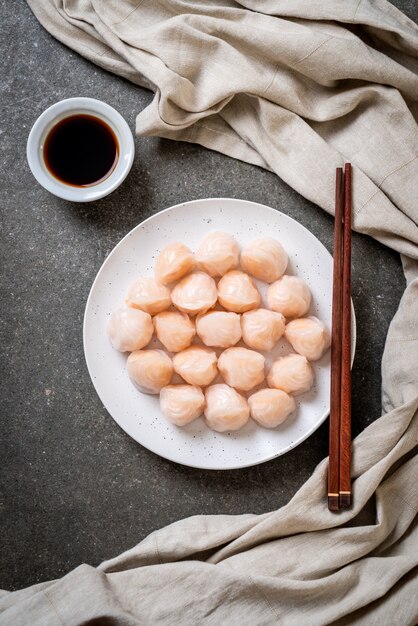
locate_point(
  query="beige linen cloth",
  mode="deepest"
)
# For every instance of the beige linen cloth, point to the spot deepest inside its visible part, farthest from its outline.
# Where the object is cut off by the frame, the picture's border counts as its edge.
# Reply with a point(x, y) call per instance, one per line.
point(297, 87)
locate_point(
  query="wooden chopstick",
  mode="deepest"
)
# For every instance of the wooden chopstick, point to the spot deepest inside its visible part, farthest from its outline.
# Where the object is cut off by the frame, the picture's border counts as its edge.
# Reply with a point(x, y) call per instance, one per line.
point(345, 411)
point(335, 401)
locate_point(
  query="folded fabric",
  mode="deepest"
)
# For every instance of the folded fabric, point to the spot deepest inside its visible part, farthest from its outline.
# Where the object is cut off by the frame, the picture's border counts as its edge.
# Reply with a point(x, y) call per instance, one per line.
point(298, 88)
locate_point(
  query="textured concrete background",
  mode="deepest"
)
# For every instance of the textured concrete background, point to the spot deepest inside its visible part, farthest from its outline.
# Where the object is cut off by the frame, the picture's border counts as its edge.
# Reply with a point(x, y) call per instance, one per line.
point(75, 487)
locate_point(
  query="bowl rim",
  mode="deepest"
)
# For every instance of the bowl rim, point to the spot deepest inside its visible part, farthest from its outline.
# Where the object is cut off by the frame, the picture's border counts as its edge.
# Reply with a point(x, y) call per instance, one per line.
point(60, 110)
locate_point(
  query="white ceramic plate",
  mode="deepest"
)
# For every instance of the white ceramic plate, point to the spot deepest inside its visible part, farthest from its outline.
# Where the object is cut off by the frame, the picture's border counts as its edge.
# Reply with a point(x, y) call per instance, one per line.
point(139, 414)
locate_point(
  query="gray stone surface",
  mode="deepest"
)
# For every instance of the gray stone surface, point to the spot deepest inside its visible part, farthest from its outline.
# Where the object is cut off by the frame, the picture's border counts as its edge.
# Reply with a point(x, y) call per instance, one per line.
point(75, 487)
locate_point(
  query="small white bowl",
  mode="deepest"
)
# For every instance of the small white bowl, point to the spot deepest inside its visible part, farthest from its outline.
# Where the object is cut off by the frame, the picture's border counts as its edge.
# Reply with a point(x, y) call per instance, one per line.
point(67, 108)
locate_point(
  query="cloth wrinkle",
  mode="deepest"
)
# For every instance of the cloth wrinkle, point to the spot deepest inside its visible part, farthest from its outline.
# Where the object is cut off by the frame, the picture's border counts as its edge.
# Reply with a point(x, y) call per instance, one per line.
point(397, 170)
point(157, 551)
point(355, 12)
point(379, 190)
point(265, 599)
point(313, 51)
point(399, 339)
point(45, 593)
point(117, 23)
point(408, 504)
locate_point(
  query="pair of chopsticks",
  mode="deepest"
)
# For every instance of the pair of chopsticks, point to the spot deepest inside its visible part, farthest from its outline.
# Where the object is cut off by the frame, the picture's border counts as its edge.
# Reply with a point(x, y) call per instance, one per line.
point(339, 479)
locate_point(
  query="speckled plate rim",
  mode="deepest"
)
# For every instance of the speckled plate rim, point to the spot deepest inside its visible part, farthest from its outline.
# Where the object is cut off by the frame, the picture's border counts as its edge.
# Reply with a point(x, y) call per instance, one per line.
point(89, 361)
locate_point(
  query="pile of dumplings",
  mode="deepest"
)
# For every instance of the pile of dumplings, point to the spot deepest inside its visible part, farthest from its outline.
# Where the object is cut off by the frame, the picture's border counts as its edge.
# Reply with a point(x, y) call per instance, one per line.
point(200, 306)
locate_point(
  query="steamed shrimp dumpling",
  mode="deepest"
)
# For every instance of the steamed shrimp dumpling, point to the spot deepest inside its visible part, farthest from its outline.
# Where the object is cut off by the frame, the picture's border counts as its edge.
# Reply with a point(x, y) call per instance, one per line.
point(237, 292)
point(174, 261)
point(148, 295)
point(292, 374)
point(129, 329)
point(196, 365)
point(225, 409)
point(220, 329)
point(262, 329)
point(289, 296)
point(175, 330)
point(308, 336)
point(241, 368)
point(196, 293)
point(181, 404)
point(270, 407)
point(150, 370)
point(218, 253)
point(264, 258)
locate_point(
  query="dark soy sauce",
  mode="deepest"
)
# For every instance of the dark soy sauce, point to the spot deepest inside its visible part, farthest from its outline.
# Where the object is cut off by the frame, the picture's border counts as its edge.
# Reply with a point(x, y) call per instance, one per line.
point(81, 150)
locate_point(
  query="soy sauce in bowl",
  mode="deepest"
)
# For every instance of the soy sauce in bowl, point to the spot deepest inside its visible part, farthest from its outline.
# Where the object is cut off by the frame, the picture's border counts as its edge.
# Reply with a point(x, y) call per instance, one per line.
point(81, 150)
